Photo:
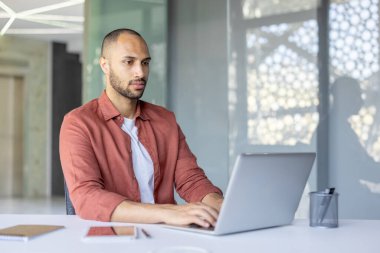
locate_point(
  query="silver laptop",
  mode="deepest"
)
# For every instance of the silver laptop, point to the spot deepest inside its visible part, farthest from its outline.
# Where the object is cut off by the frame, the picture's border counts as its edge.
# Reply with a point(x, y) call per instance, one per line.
point(264, 191)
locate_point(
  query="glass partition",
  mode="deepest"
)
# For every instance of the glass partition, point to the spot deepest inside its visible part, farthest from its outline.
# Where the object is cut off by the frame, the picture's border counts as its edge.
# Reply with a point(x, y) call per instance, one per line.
point(148, 18)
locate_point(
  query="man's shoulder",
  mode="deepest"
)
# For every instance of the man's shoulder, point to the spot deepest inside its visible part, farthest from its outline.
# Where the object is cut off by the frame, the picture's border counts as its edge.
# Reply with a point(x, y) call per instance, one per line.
point(88, 110)
point(155, 111)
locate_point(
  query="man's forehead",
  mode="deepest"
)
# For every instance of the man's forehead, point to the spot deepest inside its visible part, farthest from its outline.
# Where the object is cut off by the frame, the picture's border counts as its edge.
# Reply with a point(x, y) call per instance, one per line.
point(125, 37)
point(128, 43)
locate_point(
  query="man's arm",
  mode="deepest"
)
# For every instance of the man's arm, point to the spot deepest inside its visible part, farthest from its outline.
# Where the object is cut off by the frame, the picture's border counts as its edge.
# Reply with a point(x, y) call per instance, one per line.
point(197, 213)
point(82, 174)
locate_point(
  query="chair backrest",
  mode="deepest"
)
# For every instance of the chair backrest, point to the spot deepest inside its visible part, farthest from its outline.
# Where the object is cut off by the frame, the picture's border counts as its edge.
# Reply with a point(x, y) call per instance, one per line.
point(69, 206)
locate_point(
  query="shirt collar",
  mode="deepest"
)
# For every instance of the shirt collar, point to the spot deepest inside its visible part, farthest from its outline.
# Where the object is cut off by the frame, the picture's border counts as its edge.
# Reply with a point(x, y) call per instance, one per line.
point(109, 111)
point(140, 111)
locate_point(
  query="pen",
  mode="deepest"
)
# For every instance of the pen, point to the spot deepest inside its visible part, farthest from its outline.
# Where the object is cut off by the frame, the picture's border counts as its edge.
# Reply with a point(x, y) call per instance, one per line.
point(146, 233)
point(326, 202)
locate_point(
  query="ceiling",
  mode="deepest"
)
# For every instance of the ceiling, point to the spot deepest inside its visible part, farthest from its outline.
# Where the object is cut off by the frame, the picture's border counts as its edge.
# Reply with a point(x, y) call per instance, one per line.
point(51, 20)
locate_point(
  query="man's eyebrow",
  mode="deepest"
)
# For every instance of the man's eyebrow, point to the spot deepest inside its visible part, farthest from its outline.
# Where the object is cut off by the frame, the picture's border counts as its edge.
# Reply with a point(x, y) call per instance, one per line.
point(133, 58)
point(128, 57)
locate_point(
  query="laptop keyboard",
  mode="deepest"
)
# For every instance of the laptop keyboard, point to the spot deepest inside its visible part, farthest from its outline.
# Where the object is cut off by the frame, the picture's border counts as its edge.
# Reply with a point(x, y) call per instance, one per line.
point(201, 228)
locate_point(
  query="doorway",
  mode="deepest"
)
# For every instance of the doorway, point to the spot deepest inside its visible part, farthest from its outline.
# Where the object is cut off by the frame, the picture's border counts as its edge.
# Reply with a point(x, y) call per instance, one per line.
point(11, 135)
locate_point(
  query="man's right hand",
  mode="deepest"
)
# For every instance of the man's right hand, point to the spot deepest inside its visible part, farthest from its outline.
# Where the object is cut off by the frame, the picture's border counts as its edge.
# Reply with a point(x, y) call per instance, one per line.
point(191, 213)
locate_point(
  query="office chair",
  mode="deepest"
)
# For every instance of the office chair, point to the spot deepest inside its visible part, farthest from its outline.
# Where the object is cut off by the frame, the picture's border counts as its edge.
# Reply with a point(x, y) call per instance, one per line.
point(69, 206)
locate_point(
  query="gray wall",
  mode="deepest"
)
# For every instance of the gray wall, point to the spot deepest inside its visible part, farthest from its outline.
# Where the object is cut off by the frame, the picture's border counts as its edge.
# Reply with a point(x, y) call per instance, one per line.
point(198, 80)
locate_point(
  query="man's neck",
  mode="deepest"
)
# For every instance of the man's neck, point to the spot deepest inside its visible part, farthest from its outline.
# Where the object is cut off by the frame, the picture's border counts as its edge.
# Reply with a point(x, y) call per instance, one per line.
point(126, 106)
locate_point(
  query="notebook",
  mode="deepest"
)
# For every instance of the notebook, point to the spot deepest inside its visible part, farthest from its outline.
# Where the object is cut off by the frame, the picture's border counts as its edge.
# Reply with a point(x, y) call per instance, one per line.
point(264, 191)
point(26, 232)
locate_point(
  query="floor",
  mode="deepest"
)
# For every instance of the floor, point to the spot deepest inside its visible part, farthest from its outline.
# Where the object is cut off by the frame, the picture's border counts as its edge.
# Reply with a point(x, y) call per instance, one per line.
point(55, 205)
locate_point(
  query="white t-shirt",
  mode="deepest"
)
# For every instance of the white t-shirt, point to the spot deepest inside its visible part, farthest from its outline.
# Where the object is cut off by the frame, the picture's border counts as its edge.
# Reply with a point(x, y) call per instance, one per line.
point(142, 163)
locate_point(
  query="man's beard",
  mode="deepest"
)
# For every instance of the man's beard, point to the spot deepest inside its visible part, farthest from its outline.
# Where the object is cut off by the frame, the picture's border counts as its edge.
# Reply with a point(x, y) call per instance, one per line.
point(117, 84)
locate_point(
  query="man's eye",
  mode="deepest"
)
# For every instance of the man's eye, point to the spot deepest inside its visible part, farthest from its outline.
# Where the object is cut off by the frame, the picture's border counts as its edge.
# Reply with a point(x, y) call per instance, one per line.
point(129, 62)
point(146, 63)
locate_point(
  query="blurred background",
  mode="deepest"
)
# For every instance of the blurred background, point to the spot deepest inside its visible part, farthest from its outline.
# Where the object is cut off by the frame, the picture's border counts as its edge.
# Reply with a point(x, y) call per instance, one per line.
point(241, 76)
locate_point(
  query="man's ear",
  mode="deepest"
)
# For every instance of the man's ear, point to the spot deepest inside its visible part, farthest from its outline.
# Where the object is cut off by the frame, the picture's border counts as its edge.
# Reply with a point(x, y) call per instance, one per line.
point(104, 64)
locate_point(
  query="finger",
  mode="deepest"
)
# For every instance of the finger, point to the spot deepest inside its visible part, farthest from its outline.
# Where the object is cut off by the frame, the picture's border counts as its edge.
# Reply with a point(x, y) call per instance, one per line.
point(205, 216)
point(203, 213)
point(199, 221)
point(212, 211)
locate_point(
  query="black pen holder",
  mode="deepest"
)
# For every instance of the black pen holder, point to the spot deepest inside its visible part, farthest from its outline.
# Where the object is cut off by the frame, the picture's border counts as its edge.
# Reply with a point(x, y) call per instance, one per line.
point(323, 209)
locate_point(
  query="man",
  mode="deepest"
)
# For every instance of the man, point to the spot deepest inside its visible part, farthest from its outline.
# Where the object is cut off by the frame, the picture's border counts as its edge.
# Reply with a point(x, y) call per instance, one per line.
point(123, 157)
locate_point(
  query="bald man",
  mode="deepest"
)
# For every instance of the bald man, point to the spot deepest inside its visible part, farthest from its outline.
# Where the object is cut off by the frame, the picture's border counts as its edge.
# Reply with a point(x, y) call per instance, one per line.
point(122, 157)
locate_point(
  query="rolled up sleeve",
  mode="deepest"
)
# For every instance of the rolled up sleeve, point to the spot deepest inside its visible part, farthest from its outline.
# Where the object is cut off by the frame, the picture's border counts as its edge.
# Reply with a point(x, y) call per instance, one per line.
point(83, 176)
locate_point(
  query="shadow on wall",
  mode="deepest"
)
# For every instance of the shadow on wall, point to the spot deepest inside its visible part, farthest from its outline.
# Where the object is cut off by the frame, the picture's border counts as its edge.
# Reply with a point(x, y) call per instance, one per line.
point(355, 174)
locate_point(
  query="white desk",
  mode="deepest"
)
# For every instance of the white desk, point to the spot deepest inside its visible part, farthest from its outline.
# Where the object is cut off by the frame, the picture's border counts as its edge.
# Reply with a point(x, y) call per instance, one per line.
point(352, 236)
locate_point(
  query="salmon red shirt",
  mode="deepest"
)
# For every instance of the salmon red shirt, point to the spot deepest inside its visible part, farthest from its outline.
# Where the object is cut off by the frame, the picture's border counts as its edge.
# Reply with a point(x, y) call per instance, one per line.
point(96, 158)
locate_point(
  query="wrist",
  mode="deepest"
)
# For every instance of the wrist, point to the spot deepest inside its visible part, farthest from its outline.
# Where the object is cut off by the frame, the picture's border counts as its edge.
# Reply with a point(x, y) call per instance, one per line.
point(214, 200)
point(163, 212)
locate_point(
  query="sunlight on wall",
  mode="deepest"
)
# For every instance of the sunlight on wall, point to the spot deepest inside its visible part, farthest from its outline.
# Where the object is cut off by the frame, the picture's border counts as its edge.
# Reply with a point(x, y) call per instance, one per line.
point(287, 130)
point(354, 46)
point(258, 9)
point(282, 75)
point(282, 84)
point(373, 187)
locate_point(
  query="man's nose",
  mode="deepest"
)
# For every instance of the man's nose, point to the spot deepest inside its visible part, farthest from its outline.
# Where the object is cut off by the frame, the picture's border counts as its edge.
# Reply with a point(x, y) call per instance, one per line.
point(138, 71)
